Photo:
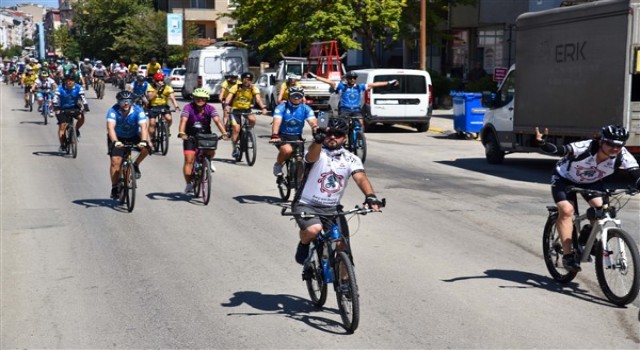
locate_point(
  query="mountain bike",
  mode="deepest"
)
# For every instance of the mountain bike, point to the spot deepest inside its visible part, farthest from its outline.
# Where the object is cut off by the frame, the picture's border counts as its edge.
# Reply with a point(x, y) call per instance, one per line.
point(30, 100)
point(615, 251)
point(160, 139)
point(246, 138)
point(292, 171)
point(99, 86)
point(356, 141)
point(46, 107)
point(127, 179)
point(327, 264)
point(202, 167)
point(70, 142)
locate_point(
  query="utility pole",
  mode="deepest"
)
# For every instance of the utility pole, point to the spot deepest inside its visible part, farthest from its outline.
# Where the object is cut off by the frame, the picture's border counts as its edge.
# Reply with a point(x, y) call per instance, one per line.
point(185, 47)
point(423, 35)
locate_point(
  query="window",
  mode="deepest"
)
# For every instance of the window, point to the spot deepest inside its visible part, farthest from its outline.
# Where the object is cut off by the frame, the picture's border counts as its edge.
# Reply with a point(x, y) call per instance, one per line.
point(409, 84)
point(202, 30)
point(198, 4)
point(212, 65)
point(234, 64)
point(507, 90)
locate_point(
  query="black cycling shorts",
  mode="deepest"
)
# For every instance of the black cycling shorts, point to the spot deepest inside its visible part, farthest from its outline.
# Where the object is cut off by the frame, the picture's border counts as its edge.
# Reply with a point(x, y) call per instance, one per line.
point(119, 152)
point(559, 189)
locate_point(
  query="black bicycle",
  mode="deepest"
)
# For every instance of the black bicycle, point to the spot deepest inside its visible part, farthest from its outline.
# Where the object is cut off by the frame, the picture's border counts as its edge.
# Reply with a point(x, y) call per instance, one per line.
point(202, 168)
point(292, 171)
point(616, 253)
point(246, 138)
point(356, 141)
point(160, 139)
point(70, 142)
point(127, 179)
point(46, 107)
point(331, 261)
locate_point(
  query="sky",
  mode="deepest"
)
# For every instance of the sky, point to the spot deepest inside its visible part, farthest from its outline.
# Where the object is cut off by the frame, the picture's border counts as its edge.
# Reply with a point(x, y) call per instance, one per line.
point(48, 3)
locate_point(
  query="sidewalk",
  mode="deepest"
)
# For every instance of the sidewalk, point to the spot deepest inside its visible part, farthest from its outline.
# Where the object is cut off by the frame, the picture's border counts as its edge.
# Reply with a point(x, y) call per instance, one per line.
point(442, 121)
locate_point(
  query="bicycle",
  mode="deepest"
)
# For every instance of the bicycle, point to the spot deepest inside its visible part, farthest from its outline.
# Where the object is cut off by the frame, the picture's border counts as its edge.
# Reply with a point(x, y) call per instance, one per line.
point(356, 141)
point(98, 87)
point(46, 107)
point(30, 100)
point(616, 253)
point(293, 170)
point(246, 138)
point(70, 142)
point(202, 167)
point(326, 264)
point(160, 139)
point(127, 179)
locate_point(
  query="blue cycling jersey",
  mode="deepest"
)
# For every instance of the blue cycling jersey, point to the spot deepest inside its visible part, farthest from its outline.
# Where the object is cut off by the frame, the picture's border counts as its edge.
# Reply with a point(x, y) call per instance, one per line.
point(350, 96)
point(69, 98)
point(293, 117)
point(127, 126)
point(140, 89)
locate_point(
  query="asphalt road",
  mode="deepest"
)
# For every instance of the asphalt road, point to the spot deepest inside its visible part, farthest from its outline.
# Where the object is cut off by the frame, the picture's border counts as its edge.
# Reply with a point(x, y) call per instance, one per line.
point(454, 261)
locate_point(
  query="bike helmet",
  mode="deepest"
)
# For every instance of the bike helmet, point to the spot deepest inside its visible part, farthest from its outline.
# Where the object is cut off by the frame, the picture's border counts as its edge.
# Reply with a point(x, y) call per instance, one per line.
point(44, 73)
point(230, 75)
point(86, 60)
point(351, 74)
point(140, 77)
point(124, 95)
point(298, 90)
point(291, 79)
point(200, 92)
point(98, 62)
point(69, 77)
point(615, 134)
point(246, 75)
point(338, 124)
point(158, 77)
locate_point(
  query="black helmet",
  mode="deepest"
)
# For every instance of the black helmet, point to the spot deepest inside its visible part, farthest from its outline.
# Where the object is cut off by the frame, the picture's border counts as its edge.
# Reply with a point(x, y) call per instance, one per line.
point(338, 124)
point(124, 95)
point(296, 90)
point(246, 75)
point(351, 74)
point(615, 134)
point(69, 76)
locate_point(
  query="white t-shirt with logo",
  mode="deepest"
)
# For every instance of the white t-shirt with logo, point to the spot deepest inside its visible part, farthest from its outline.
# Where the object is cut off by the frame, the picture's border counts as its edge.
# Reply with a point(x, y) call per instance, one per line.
point(587, 170)
point(328, 177)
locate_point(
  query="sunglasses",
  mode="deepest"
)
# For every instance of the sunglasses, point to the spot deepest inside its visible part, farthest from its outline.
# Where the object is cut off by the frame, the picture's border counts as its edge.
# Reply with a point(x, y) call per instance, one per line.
point(125, 102)
point(297, 96)
point(336, 134)
point(612, 144)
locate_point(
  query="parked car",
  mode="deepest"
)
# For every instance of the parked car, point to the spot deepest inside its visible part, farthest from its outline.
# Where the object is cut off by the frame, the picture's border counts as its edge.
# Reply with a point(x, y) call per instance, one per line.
point(268, 89)
point(142, 69)
point(176, 78)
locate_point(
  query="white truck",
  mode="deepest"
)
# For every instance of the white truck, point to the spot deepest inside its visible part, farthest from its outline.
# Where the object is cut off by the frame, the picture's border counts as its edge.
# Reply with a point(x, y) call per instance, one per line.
point(578, 69)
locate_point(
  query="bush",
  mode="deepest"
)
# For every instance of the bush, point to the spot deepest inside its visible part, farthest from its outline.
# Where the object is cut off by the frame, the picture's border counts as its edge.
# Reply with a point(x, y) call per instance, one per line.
point(484, 84)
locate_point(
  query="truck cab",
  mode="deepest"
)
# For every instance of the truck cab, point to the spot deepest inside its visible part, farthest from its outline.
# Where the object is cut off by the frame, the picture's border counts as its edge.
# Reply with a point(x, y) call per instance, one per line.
point(498, 120)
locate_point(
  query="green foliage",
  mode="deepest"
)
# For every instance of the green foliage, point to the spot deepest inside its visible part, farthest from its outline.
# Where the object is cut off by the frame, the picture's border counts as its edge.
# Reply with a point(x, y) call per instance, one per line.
point(11, 51)
point(437, 14)
point(261, 22)
point(64, 41)
point(28, 42)
point(484, 84)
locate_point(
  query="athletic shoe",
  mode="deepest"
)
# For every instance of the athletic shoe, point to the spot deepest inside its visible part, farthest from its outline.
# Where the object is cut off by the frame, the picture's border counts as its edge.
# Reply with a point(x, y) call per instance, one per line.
point(236, 152)
point(570, 263)
point(344, 289)
point(114, 192)
point(137, 169)
point(277, 169)
point(61, 149)
point(188, 189)
point(302, 252)
point(77, 133)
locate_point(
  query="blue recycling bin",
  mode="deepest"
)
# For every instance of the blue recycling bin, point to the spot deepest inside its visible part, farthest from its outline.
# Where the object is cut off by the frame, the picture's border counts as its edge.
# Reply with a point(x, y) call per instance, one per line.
point(468, 113)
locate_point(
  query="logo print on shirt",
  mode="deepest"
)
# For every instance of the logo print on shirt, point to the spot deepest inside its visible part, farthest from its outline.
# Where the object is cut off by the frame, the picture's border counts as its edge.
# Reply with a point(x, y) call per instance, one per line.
point(330, 183)
point(589, 173)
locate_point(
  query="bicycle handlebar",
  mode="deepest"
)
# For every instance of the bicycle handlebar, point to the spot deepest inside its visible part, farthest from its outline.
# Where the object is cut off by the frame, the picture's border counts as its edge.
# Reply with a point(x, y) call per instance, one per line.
point(292, 142)
point(356, 210)
point(609, 192)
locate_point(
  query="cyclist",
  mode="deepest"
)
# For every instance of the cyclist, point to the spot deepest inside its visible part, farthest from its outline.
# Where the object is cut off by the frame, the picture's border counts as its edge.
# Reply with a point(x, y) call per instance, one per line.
point(85, 70)
point(328, 168)
point(283, 94)
point(585, 164)
point(230, 80)
point(158, 94)
point(133, 70)
point(69, 95)
point(99, 72)
point(27, 80)
point(44, 85)
point(126, 123)
point(288, 122)
point(239, 99)
point(350, 93)
point(139, 88)
point(196, 118)
point(153, 68)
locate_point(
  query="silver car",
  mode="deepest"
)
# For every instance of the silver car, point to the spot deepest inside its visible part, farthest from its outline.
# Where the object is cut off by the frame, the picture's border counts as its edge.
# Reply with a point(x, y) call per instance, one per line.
point(268, 90)
point(176, 78)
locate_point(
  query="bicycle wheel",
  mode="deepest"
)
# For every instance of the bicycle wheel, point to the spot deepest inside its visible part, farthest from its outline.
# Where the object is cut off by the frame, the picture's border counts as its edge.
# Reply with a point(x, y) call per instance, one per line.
point(297, 171)
point(196, 177)
point(312, 274)
point(250, 147)
point(242, 143)
point(74, 141)
point(163, 138)
point(283, 181)
point(205, 181)
point(30, 102)
point(617, 267)
point(67, 139)
point(552, 252)
point(360, 146)
point(129, 186)
point(347, 292)
point(45, 111)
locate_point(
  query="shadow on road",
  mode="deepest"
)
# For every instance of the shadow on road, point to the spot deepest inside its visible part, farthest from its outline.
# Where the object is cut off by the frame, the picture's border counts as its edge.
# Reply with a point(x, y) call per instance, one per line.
point(100, 203)
point(48, 154)
point(289, 306)
point(32, 122)
point(170, 196)
point(532, 280)
point(254, 199)
point(528, 170)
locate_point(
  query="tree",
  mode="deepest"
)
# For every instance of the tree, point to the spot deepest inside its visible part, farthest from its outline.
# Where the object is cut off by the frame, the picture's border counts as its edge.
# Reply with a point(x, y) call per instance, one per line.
point(260, 21)
point(63, 40)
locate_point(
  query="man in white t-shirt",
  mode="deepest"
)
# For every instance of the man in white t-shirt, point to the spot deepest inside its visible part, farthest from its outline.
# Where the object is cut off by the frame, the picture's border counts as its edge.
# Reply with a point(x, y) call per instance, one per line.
point(329, 167)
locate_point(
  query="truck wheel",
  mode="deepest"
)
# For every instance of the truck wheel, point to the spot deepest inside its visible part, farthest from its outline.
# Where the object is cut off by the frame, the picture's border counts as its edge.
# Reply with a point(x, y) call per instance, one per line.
point(185, 95)
point(422, 127)
point(492, 150)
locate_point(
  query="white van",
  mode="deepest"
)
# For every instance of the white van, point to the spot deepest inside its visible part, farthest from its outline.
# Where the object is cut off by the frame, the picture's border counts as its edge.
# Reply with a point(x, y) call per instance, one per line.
point(206, 67)
point(411, 101)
